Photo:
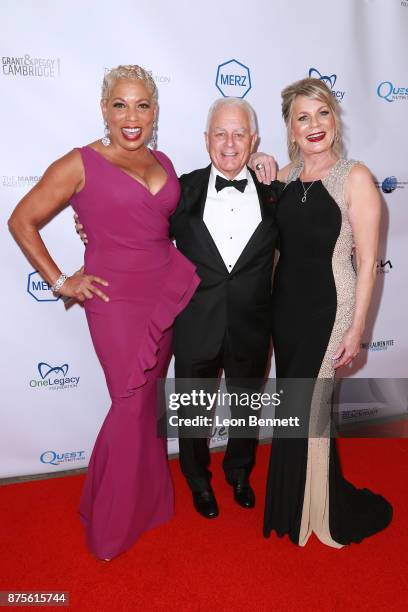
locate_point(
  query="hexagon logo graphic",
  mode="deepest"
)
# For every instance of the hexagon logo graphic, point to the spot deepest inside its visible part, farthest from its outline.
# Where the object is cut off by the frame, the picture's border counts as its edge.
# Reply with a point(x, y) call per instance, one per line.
point(233, 79)
point(39, 289)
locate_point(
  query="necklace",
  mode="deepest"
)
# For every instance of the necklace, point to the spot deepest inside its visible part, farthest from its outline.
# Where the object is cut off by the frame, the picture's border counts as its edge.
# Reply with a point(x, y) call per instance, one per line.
point(304, 197)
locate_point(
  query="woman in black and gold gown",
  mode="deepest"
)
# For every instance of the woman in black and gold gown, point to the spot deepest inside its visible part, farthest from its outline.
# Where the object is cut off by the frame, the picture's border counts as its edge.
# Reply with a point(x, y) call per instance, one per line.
point(326, 204)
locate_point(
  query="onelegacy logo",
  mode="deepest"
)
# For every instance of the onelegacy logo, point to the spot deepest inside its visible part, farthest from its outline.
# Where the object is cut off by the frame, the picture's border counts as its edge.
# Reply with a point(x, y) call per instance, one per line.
point(233, 79)
point(330, 81)
point(391, 93)
point(54, 377)
point(55, 458)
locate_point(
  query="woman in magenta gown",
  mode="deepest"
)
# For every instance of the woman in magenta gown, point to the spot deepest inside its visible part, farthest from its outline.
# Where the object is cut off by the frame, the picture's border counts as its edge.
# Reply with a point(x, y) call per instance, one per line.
point(124, 194)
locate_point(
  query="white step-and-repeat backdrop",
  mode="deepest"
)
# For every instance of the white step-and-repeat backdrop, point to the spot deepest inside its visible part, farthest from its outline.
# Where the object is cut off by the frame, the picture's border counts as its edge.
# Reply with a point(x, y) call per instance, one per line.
point(53, 57)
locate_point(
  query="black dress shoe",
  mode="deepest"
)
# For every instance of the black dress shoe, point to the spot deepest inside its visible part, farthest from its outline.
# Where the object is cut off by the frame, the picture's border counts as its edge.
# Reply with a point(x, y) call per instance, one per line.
point(244, 494)
point(205, 503)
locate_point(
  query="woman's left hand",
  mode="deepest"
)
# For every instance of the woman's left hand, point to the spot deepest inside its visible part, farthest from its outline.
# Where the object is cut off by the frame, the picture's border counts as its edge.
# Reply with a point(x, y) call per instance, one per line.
point(267, 168)
point(348, 348)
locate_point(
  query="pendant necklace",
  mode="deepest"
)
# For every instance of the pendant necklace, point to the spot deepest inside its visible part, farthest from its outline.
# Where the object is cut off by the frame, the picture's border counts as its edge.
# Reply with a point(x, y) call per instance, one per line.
point(304, 197)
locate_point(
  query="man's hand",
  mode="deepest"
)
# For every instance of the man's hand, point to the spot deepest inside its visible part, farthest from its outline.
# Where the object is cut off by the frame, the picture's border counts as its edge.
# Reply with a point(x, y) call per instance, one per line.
point(79, 228)
point(264, 166)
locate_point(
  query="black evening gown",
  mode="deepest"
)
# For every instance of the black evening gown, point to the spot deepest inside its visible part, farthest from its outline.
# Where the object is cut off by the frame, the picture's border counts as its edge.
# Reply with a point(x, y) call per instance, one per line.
point(313, 306)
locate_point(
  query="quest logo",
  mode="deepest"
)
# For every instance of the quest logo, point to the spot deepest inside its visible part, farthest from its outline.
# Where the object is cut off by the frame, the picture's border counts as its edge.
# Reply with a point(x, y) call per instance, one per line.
point(54, 458)
point(389, 92)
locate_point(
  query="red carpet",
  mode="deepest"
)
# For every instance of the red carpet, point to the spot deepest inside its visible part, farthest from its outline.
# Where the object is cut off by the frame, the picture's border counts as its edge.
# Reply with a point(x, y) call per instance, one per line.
point(195, 564)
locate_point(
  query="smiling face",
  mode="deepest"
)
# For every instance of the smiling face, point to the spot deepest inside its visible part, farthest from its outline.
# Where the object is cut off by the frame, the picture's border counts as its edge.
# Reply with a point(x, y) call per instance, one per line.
point(312, 126)
point(229, 140)
point(129, 111)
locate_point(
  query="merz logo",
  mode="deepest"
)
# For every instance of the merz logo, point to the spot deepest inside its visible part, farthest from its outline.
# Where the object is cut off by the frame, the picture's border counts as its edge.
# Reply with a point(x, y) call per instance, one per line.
point(233, 79)
point(330, 81)
point(39, 289)
point(45, 369)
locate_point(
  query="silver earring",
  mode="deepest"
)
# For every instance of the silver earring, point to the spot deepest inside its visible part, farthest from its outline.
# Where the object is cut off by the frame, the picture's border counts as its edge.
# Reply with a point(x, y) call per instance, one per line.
point(106, 140)
point(153, 139)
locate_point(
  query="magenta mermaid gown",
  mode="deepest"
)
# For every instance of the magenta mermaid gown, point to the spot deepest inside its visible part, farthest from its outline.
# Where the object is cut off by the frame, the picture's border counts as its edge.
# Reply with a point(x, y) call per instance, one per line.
point(128, 489)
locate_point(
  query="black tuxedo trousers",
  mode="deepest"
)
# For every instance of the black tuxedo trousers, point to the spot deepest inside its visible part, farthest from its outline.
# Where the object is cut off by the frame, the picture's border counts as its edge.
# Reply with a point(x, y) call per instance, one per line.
point(227, 324)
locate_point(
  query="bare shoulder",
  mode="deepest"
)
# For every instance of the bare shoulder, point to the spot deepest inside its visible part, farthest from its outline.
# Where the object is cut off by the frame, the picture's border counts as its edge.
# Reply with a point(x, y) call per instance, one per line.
point(283, 173)
point(360, 176)
point(70, 162)
point(361, 191)
point(69, 168)
point(96, 145)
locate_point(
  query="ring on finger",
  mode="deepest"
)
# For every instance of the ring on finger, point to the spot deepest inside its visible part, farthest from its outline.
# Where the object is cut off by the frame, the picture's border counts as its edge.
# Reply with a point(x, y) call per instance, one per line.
point(259, 166)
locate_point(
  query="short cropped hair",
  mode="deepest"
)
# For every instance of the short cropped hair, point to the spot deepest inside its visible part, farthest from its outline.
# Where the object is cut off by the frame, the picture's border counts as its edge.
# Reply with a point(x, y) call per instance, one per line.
point(220, 102)
point(133, 72)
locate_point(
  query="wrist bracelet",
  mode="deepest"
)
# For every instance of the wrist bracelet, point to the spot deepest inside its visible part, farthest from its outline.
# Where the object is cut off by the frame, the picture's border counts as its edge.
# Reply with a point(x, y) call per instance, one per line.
point(58, 283)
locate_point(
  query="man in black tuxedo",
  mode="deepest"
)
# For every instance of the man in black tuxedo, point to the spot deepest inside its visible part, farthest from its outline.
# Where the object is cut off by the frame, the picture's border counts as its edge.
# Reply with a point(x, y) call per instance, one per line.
point(224, 224)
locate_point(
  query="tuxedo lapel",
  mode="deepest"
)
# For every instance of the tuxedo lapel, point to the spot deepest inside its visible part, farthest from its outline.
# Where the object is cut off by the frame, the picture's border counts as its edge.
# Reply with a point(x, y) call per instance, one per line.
point(196, 195)
point(265, 198)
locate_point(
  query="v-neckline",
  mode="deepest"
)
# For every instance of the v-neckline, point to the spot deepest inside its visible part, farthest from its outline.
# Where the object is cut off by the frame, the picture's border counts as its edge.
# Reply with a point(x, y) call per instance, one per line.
point(153, 195)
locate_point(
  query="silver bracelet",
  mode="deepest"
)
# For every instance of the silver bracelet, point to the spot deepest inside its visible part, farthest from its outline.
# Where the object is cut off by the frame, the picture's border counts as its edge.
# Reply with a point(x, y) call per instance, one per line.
point(58, 283)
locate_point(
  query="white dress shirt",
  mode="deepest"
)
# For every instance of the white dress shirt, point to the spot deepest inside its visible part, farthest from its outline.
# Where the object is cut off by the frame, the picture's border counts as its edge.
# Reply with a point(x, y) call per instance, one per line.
point(231, 217)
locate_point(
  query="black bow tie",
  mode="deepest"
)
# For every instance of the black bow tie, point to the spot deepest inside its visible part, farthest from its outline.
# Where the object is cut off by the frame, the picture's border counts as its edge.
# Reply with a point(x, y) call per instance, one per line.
point(221, 182)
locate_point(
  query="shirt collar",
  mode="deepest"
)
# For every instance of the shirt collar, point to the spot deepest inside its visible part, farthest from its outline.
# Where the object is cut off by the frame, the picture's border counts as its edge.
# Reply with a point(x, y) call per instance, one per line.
point(244, 174)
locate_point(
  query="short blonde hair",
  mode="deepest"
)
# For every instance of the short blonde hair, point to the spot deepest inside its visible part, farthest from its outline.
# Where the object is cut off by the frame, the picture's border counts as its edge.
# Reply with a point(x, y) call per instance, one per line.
point(134, 72)
point(314, 89)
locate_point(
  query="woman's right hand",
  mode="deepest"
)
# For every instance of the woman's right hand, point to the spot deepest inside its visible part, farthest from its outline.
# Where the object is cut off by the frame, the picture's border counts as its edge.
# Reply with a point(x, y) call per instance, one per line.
point(80, 287)
point(264, 166)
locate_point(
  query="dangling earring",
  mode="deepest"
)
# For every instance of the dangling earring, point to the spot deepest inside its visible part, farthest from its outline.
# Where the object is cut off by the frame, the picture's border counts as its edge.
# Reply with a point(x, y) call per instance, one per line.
point(153, 139)
point(106, 140)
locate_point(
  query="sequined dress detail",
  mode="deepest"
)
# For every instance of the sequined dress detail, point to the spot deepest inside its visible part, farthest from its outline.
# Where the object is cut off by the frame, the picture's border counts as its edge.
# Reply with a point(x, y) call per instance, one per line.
point(313, 306)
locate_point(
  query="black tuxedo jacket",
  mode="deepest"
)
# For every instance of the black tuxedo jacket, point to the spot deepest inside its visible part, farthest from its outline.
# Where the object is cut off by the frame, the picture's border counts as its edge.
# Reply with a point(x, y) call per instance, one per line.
point(228, 305)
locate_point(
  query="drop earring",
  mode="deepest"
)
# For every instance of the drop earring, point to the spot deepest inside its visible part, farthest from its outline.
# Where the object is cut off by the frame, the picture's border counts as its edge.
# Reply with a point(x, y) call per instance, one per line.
point(106, 140)
point(153, 139)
